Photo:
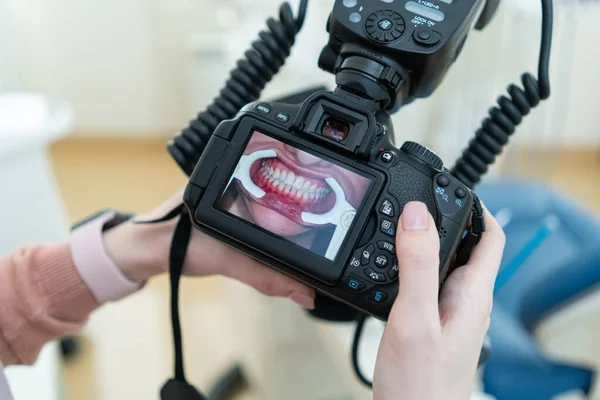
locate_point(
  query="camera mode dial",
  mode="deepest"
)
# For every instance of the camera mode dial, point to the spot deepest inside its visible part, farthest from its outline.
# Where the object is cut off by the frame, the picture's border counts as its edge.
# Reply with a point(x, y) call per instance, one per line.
point(423, 153)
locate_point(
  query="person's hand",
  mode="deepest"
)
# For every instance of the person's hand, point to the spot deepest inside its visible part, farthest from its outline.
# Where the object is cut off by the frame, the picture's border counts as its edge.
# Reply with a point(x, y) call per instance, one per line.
point(142, 251)
point(431, 344)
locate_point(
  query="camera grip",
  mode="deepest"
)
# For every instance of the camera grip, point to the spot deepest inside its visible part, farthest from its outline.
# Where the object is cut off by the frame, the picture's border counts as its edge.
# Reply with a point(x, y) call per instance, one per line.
point(408, 184)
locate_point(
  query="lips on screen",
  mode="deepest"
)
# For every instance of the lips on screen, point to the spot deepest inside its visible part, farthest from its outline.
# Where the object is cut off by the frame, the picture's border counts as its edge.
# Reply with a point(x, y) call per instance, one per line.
point(295, 195)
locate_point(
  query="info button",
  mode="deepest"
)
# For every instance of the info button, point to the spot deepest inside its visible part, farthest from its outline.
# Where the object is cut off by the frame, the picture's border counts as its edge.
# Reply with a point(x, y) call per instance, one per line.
point(283, 117)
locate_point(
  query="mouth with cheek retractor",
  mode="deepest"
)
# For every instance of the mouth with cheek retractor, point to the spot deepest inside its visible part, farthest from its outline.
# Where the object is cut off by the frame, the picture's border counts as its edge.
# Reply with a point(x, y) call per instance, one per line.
point(290, 191)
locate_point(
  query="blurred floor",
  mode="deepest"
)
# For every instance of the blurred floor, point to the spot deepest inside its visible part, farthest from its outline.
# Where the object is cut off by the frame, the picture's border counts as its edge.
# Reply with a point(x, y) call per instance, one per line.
point(126, 347)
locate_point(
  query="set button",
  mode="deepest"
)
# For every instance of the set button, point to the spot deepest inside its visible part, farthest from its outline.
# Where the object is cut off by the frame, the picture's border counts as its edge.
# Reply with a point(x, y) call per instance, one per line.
point(381, 261)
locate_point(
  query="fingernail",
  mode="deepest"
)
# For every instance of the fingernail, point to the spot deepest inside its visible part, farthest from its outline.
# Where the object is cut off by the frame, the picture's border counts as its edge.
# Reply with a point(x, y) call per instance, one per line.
point(303, 300)
point(415, 217)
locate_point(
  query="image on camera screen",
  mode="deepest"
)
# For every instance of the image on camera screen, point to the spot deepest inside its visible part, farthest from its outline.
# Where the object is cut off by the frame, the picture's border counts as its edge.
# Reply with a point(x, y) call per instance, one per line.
point(294, 195)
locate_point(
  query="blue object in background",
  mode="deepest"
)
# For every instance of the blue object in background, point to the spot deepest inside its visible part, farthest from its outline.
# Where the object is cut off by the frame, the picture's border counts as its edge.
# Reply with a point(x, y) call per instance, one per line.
point(549, 225)
point(548, 270)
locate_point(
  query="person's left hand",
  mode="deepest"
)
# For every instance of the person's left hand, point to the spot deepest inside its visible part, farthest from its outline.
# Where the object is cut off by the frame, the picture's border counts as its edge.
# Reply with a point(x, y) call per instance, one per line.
point(142, 251)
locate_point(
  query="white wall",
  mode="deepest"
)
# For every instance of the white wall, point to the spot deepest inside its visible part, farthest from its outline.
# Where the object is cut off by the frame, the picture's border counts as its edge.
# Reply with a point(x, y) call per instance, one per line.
point(134, 68)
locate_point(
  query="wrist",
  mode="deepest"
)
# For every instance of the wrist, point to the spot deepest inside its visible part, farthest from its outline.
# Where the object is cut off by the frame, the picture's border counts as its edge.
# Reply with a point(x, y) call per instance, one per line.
point(140, 251)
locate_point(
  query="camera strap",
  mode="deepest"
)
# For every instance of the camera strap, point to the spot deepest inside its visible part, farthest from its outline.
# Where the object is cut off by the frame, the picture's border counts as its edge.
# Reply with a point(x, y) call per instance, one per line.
point(177, 388)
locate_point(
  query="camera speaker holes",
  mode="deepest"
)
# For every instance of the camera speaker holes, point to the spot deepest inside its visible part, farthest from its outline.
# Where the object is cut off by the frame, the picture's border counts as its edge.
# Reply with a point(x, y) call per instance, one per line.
point(442, 232)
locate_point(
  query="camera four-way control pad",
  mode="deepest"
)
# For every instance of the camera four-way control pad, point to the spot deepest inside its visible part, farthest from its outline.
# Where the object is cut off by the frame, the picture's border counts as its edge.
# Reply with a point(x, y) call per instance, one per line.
point(375, 264)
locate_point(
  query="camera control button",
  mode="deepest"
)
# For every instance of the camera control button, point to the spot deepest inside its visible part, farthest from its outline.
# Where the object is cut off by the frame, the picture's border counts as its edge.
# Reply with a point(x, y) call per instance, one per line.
point(282, 117)
point(388, 228)
point(424, 34)
point(443, 180)
point(389, 247)
point(355, 17)
point(378, 296)
point(350, 3)
point(263, 108)
point(381, 261)
point(394, 270)
point(461, 193)
point(375, 276)
point(366, 254)
point(387, 157)
point(387, 208)
point(354, 285)
point(355, 262)
point(426, 37)
point(423, 154)
point(385, 26)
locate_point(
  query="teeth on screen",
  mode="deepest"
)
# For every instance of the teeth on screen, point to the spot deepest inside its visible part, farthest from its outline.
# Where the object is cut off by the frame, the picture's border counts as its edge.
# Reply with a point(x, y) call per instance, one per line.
point(299, 182)
point(290, 178)
point(290, 184)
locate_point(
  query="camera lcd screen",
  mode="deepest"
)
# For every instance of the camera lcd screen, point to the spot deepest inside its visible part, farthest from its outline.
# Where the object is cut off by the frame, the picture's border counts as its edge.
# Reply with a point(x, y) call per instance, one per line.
point(295, 195)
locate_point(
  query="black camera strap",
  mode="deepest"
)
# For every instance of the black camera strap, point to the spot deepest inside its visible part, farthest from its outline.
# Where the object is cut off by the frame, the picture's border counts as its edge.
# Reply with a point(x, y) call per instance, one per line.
point(177, 388)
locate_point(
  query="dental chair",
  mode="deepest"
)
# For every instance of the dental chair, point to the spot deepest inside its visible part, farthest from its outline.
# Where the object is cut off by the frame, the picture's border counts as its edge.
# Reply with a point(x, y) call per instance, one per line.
point(561, 269)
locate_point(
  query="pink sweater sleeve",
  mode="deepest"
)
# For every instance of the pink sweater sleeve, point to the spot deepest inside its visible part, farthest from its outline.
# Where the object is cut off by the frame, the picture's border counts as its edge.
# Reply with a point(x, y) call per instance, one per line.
point(48, 291)
point(42, 297)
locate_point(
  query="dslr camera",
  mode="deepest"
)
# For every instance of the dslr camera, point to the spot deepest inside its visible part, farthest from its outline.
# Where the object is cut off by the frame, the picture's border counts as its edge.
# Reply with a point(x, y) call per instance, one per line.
point(315, 189)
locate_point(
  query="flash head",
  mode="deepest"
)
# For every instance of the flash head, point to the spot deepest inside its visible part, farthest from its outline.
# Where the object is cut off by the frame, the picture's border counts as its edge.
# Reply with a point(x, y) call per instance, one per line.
point(395, 51)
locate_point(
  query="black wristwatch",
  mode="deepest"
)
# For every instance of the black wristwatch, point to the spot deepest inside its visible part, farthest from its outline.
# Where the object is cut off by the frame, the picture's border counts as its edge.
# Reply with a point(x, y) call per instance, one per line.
point(118, 218)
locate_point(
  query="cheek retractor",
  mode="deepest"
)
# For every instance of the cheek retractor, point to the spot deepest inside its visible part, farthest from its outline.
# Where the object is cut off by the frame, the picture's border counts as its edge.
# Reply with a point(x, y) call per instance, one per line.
point(242, 171)
point(341, 215)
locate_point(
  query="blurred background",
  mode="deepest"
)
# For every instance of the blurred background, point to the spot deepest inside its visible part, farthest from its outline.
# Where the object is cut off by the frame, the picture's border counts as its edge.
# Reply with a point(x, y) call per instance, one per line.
point(90, 93)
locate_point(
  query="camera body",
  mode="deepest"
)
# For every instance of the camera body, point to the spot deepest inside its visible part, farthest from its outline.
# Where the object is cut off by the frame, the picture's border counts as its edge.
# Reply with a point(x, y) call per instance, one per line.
point(315, 191)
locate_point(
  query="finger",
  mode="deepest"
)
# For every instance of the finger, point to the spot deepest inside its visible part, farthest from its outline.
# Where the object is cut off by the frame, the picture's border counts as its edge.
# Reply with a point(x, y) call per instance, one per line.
point(417, 249)
point(467, 296)
point(486, 257)
point(269, 281)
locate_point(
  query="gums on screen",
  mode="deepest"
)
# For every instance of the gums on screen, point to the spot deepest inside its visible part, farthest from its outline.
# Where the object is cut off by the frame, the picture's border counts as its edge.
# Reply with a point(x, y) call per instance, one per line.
point(295, 195)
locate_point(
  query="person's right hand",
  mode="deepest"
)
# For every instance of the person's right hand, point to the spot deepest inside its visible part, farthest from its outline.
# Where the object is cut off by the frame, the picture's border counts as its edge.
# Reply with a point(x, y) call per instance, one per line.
point(431, 344)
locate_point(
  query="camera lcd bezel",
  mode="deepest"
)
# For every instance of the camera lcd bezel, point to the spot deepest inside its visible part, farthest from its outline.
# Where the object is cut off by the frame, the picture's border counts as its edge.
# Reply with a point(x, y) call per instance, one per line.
point(275, 248)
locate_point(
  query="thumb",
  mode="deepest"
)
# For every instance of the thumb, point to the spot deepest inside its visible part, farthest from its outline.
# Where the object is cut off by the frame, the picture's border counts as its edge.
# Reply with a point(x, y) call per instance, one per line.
point(417, 249)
